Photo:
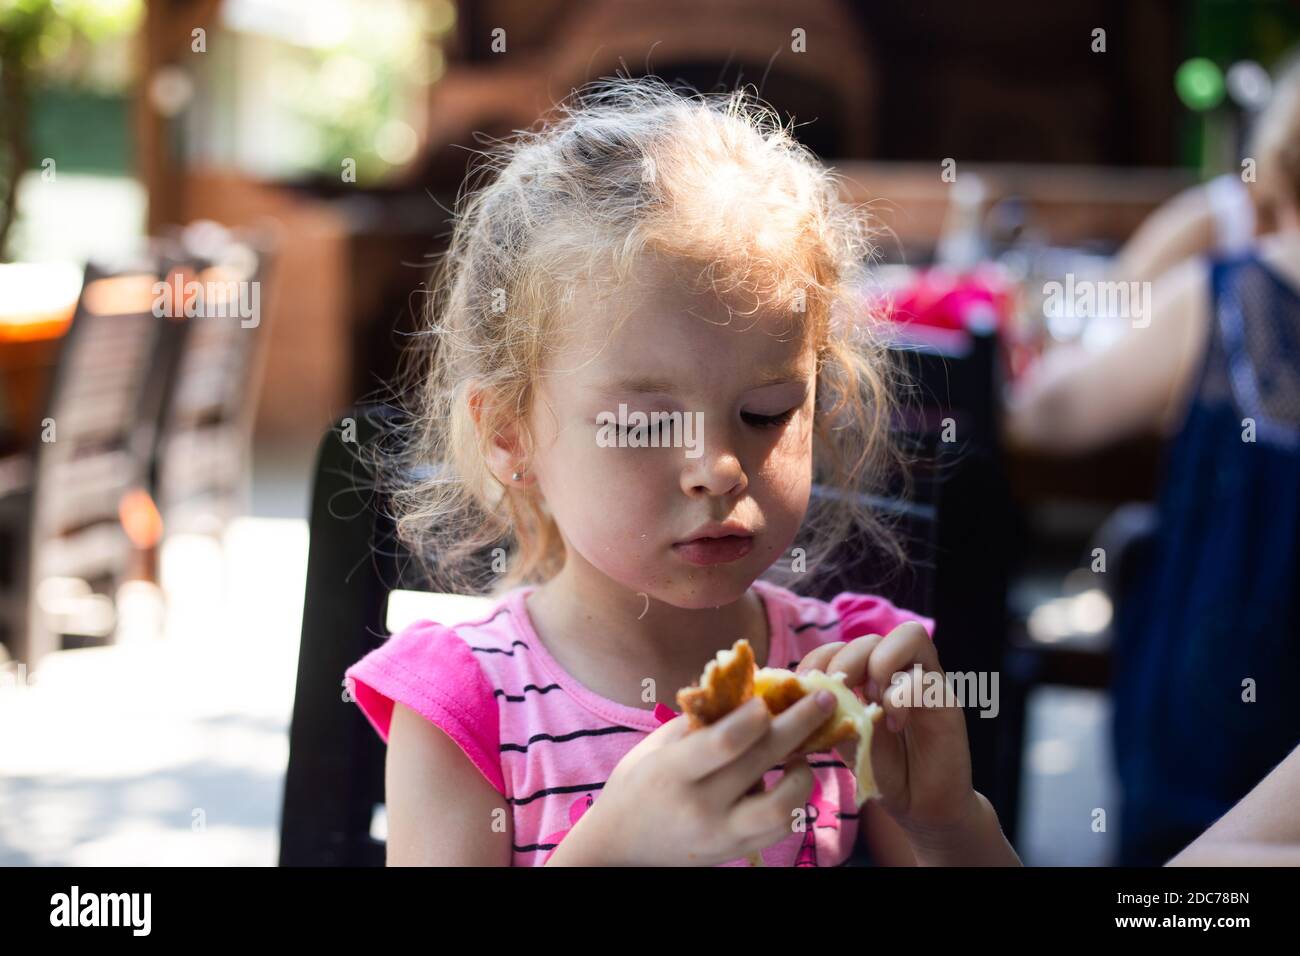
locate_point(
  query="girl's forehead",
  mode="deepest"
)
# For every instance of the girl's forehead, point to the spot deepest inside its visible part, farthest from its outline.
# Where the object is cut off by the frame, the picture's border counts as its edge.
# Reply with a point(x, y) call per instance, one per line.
point(653, 323)
point(666, 305)
point(663, 346)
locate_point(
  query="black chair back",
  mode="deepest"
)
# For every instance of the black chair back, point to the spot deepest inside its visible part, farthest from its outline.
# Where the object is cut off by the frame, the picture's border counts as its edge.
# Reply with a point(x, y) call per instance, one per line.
point(956, 412)
point(335, 780)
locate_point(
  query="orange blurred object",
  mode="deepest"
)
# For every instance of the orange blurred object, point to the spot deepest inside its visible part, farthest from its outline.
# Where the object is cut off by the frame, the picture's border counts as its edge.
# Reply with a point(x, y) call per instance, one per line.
point(121, 295)
point(37, 300)
point(140, 518)
point(36, 326)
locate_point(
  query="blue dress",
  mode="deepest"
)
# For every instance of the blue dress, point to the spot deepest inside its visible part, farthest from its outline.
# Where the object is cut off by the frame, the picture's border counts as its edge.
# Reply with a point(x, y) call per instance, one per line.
point(1207, 657)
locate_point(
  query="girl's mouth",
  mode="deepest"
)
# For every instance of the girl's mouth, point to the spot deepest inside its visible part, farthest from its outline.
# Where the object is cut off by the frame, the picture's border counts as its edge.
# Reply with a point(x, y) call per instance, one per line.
point(706, 551)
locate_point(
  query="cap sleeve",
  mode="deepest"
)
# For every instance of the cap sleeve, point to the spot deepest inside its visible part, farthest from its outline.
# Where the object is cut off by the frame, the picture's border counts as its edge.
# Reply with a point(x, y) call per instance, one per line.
point(431, 670)
point(862, 614)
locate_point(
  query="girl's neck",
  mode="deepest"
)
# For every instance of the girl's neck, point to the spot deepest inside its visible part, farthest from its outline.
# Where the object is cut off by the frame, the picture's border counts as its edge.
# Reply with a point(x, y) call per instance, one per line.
point(611, 639)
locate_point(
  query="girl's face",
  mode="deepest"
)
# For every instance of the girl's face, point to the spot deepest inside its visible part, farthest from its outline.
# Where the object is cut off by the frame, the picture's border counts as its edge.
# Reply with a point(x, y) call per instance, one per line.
point(738, 453)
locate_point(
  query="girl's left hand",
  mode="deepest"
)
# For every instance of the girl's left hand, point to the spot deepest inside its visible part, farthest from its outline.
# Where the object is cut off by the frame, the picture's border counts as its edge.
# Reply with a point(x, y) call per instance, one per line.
point(920, 755)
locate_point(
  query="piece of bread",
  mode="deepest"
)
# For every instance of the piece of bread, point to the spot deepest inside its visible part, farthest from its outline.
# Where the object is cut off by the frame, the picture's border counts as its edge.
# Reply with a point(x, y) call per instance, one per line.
point(732, 678)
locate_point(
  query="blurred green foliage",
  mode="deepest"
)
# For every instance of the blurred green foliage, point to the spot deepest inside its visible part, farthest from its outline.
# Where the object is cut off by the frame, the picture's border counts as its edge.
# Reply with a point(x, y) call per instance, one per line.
point(48, 44)
point(55, 40)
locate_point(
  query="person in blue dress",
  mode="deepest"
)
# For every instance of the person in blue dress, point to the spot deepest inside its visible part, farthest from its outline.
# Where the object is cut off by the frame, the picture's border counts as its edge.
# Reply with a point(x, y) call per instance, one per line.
point(1206, 689)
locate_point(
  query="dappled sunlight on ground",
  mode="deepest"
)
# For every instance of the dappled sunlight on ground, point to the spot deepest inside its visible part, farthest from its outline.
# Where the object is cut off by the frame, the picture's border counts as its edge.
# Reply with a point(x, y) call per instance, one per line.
point(166, 750)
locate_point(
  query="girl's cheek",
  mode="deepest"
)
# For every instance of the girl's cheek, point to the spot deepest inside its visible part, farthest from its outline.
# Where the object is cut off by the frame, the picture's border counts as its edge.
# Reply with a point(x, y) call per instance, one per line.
point(793, 451)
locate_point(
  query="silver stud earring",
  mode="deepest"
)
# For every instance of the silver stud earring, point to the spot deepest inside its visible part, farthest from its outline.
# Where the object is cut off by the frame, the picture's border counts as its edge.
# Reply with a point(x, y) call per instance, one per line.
point(515, 476)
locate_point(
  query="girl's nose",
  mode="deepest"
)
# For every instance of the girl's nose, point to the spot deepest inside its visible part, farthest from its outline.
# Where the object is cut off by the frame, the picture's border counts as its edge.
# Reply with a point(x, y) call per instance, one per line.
point(717, 473)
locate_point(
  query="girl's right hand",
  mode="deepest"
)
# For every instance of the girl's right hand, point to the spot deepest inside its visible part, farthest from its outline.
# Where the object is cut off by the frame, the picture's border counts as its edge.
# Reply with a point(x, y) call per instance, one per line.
point(680, 799)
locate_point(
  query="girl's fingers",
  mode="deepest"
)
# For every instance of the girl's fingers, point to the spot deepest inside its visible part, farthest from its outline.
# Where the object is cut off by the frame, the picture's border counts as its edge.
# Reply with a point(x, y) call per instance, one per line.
point(902, 647)
point(819, 657)
point(663, 735)
point(889, 763)
point(666, 733)
point(896, 701)
point(708, 750)
point(852, 659)
point(773, 814)
point(788, 730)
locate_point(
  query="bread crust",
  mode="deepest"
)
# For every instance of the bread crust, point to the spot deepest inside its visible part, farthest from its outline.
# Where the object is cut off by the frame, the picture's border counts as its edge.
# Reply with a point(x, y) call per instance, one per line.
point(731, 679)
point(727, 682)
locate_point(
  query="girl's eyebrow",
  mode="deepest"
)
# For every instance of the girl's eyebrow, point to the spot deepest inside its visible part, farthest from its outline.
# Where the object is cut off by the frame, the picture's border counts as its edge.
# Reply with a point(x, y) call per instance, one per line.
point(640, 386)
point(651, 386)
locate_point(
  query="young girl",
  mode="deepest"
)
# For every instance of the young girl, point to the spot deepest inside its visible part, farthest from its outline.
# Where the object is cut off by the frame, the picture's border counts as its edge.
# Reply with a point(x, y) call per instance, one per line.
point(652, 252)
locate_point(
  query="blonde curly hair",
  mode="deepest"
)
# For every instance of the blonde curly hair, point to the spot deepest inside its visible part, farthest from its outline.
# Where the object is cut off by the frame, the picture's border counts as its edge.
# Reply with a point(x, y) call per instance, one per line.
point(624, 168)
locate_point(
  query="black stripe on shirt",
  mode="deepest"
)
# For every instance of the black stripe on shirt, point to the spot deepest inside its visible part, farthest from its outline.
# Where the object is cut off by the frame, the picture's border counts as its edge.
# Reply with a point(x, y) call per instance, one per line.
point(820, 627)
point(533, 847)
point(564, 738)
point(497, 650)
point(574, 788)
point(513, 699)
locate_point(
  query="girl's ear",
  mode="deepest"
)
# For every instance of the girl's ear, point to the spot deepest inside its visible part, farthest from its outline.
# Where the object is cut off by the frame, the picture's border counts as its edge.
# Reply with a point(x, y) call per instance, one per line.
point(505, 451)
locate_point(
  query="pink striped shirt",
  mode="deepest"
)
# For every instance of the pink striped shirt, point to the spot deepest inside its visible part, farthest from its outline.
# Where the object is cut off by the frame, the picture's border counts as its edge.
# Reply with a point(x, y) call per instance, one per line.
point(547, 744)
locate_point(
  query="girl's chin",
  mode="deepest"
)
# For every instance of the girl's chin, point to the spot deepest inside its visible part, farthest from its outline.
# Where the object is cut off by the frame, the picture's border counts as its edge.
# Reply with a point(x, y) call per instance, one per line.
point(706, 591)
point(687, 588)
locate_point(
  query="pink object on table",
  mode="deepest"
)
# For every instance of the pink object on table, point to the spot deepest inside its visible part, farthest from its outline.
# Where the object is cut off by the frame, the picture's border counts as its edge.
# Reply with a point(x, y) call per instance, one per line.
point(946, 300)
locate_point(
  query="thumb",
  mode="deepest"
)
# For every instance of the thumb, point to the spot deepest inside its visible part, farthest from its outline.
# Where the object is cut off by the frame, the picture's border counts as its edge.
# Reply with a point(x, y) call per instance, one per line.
point(666, 733)
point(663, 735)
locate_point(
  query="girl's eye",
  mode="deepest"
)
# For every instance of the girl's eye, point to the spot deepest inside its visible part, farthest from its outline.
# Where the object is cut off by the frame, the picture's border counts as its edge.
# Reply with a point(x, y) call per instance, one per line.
point(768, 421)
point(644, 433)
point(648, 428)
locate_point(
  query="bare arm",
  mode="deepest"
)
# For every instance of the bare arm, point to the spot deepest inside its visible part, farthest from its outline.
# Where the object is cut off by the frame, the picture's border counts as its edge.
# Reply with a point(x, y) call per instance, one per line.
point(1180, 229)
point(441, 810)
point(1078, 401)
point(1263, 829)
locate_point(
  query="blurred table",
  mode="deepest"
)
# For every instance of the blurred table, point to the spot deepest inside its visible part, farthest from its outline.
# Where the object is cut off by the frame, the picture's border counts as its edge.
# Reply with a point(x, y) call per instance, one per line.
point(940, 302)
point(1126, 471)
point(1067, 204)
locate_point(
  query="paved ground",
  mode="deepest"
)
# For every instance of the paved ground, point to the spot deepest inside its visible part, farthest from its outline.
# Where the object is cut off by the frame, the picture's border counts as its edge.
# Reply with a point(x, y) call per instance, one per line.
point(1068, 778)
point(172, 751)
point(169, 751)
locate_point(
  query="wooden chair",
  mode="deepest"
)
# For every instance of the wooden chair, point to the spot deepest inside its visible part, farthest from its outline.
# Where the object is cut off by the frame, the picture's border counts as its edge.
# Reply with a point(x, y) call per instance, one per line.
point(108, 387)
point(204, 451)
point(139, 402)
